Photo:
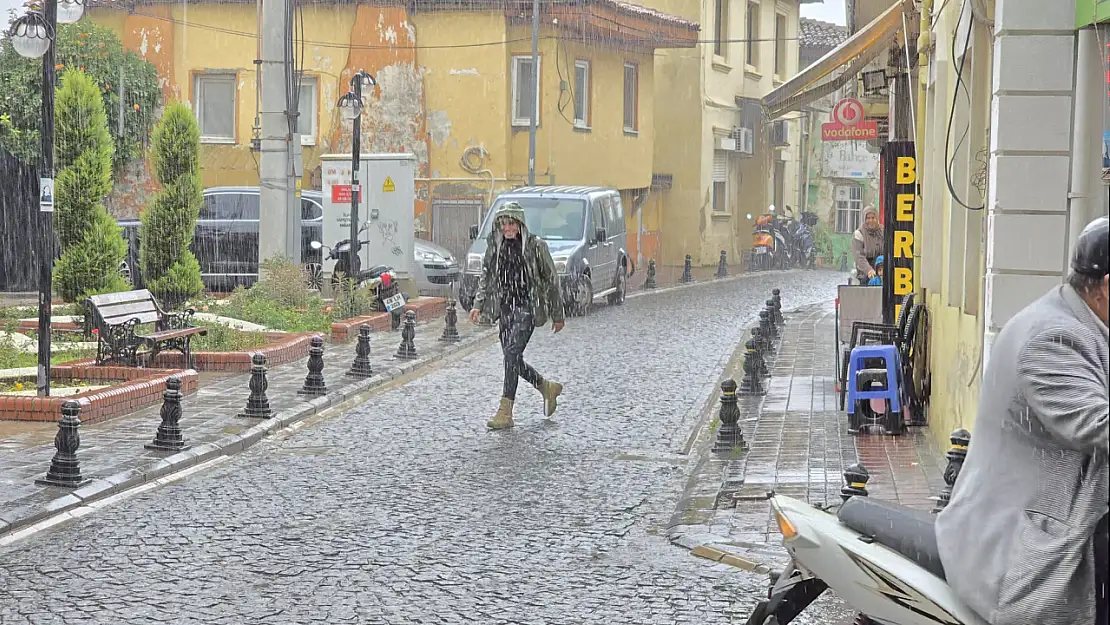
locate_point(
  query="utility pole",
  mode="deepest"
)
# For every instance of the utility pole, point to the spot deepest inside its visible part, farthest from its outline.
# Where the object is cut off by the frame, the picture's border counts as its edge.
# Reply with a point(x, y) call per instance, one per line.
point(274, 209)
point(535, 93)
point(46, 265)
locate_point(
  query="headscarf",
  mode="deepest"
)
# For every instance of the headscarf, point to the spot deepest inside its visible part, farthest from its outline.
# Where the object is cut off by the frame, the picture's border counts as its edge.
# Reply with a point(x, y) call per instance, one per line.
point(870, 210)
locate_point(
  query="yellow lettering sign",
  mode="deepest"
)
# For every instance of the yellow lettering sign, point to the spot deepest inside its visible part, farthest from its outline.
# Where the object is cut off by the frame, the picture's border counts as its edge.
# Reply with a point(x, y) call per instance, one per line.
point(903, 280)
point(903, 244)
point(904, 207)
point(906, 169)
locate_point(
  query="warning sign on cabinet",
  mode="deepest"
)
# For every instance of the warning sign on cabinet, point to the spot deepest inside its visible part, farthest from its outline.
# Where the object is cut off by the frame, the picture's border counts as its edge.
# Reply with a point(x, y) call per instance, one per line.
point(388, 185)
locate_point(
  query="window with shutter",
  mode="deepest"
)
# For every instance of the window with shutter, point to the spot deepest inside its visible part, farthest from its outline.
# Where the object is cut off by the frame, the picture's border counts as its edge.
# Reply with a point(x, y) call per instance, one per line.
point(720, 181)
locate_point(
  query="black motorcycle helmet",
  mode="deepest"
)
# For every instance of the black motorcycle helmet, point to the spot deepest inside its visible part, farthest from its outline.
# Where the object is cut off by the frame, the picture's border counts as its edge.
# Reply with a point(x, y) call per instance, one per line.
point(1092, 249)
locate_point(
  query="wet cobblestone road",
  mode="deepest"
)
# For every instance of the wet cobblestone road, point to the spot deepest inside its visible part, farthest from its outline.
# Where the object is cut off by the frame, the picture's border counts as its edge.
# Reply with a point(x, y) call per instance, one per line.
point(406, 510)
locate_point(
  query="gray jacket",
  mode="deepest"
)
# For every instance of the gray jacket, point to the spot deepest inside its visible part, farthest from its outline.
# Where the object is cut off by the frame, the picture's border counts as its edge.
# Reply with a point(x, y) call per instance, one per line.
point(1016, 539)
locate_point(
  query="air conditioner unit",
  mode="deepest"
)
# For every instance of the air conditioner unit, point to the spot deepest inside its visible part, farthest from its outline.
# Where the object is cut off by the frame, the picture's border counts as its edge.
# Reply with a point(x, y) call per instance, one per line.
point(745, 142)
point(308, 140)
point(780, 134)
point(727, 144)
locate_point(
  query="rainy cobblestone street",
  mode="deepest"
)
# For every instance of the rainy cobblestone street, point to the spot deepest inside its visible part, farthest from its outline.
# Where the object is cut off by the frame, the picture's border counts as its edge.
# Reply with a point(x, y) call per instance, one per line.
point(406, 510)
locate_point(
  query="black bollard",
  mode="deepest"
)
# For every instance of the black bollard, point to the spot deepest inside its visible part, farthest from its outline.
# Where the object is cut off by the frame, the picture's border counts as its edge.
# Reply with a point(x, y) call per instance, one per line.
point(258, 404)
point(722, 265)
point(771, 324)
point(855, 479)
point(314, 385)
point(956, 455)
point(767, 331)
point(361, 367)
point(688, 269)
point(650, 282)
point(169, 436)
point(776, 295)
point(407, 349)
point(729, 434)
point(761, 352)
point(65, 469)
point(844, 262)
point(752, 383)
point(451, 327)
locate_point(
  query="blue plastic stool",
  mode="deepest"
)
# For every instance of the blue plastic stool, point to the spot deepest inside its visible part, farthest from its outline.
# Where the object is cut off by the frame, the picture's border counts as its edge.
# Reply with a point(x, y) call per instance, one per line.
point(889, 354)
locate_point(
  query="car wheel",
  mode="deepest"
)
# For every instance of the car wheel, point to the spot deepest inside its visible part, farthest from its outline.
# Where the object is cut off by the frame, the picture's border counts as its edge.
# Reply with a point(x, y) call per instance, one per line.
point(617, 297)
point(583, 296)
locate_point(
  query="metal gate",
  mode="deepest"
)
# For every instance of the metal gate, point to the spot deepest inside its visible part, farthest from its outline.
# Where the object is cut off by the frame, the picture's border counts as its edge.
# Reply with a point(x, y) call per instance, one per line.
point(451, 221)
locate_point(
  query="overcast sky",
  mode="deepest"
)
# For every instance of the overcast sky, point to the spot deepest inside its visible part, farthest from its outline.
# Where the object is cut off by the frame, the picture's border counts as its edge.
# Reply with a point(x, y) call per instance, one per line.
point(827, 11)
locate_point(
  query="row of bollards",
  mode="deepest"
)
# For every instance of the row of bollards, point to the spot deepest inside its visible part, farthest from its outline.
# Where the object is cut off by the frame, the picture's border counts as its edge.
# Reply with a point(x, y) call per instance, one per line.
point(757, 350)
point(687, 270)
point(65, 469)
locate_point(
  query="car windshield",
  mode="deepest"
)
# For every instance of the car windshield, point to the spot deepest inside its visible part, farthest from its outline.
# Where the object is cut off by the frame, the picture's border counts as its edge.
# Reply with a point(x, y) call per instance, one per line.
point(548, 218)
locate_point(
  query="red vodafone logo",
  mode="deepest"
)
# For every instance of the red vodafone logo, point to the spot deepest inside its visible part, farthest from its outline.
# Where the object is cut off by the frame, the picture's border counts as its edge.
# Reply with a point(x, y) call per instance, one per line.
point(848, 123)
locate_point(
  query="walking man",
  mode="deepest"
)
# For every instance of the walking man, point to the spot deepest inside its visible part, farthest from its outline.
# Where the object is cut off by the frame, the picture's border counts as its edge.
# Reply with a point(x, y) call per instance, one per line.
point(519, 288)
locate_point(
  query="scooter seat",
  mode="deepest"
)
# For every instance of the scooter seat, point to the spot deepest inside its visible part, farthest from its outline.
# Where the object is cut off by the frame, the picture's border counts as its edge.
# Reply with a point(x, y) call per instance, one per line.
point(908, 531)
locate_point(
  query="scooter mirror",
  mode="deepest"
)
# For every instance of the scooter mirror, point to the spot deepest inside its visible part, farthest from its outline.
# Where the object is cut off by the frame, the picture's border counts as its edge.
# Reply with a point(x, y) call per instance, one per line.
point(316, 245)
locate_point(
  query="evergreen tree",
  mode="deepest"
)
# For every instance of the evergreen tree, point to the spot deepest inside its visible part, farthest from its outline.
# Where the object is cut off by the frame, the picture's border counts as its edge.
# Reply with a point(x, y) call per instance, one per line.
point(92, 243)
point(170, 270)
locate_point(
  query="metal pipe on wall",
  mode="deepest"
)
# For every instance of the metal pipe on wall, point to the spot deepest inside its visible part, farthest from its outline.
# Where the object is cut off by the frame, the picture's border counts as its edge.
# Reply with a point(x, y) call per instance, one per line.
point(1084, 201)
point(924, 44)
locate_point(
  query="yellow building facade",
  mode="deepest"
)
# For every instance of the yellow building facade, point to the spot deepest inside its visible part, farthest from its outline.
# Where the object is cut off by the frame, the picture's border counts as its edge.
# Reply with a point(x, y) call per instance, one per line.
point(453, 89)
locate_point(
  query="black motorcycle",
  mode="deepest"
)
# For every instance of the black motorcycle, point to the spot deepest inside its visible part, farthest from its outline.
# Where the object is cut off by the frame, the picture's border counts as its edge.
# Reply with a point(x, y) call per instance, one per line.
point(381, 278)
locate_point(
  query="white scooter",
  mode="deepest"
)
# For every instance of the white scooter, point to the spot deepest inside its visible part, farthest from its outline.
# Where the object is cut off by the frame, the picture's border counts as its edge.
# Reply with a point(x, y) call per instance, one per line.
point(879, 557)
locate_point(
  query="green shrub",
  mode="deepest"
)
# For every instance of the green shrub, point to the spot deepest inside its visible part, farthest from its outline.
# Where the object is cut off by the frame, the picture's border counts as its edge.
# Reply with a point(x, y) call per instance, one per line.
point(171, 271)
point(92, 243)
point(97, 51)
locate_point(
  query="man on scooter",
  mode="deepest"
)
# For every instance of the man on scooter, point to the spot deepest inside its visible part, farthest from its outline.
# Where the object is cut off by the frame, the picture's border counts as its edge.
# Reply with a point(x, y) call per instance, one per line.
point(1023, 540)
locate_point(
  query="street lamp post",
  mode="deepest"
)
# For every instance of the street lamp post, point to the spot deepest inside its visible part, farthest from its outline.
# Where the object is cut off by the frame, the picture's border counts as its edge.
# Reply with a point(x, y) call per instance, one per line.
point(350, 104)
point(33, 36)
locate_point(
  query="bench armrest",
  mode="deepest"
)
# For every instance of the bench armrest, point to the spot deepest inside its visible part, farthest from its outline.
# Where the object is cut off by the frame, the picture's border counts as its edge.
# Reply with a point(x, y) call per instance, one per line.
point(179, 320)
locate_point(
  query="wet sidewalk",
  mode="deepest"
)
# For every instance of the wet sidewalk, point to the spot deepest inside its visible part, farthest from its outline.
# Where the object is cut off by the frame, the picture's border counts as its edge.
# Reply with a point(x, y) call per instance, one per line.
point(114, 448)
point(798, 446)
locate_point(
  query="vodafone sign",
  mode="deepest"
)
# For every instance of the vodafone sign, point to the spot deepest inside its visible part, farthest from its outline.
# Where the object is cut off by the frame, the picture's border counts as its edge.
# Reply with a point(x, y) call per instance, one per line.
point(848, 123)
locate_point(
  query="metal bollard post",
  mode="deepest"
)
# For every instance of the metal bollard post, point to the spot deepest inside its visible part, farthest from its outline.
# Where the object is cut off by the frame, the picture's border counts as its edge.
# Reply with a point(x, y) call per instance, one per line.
point(722, 265)
point(650, 282)
point(729, 434)
point(407, 349)
point(451, 321)
point(771, 325)
point(956, 455)
point(752, 383)
point(761, 351)
point(314, 385)
point(855, 480)
point(688, 269)
point(776, 295)
point(65, 468)
point(169, 436)
point(258, 404)
point(361, 367)
point(766, 330)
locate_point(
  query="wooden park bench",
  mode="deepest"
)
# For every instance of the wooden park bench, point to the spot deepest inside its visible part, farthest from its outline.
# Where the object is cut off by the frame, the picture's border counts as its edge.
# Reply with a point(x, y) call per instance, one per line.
point(116, 318)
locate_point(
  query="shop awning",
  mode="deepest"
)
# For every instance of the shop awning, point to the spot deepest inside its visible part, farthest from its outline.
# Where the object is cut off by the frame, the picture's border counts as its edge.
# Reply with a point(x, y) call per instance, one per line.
point(851, 56)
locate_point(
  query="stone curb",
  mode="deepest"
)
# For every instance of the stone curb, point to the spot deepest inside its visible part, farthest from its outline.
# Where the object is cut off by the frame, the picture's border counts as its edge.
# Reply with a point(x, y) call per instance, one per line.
point(103, 488)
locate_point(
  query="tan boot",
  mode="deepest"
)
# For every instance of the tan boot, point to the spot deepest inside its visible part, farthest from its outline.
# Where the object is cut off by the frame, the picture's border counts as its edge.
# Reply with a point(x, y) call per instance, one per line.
point(504, 417)
point(550, 391)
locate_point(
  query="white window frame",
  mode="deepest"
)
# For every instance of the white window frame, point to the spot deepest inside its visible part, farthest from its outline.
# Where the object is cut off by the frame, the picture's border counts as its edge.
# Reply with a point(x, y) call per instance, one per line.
point(851, 209)
point(720, 28)
point(635, 102)
point(720, 177)
point(307, 121)
point(516, 92)
point(752, 11)
point(582, 117)
point(198, 107)
point(780, 46)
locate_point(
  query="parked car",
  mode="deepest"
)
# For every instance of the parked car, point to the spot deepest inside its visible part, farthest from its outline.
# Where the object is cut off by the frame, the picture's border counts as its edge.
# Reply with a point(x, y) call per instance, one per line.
point(585, 231)
point(226, 243)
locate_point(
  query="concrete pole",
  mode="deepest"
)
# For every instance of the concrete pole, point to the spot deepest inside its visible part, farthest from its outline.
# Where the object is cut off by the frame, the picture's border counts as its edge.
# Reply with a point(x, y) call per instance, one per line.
point(535, 92)
point(273, 223)
point(1084, 200)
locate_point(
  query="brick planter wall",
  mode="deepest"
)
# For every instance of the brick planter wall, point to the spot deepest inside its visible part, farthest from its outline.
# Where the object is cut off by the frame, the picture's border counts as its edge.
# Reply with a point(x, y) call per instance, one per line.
point(283, 348)
point(426, 308)
point(135, 389)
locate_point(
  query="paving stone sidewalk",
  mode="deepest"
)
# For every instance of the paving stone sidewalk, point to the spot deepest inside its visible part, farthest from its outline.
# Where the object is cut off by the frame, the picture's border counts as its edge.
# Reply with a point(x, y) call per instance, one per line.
point(798, 446)
point(210, 414)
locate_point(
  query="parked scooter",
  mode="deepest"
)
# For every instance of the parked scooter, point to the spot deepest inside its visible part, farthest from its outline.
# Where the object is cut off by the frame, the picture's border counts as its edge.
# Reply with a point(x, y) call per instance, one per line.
point(878, 557)
point(769, 247)
point(804, 251)
point(380, 278)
